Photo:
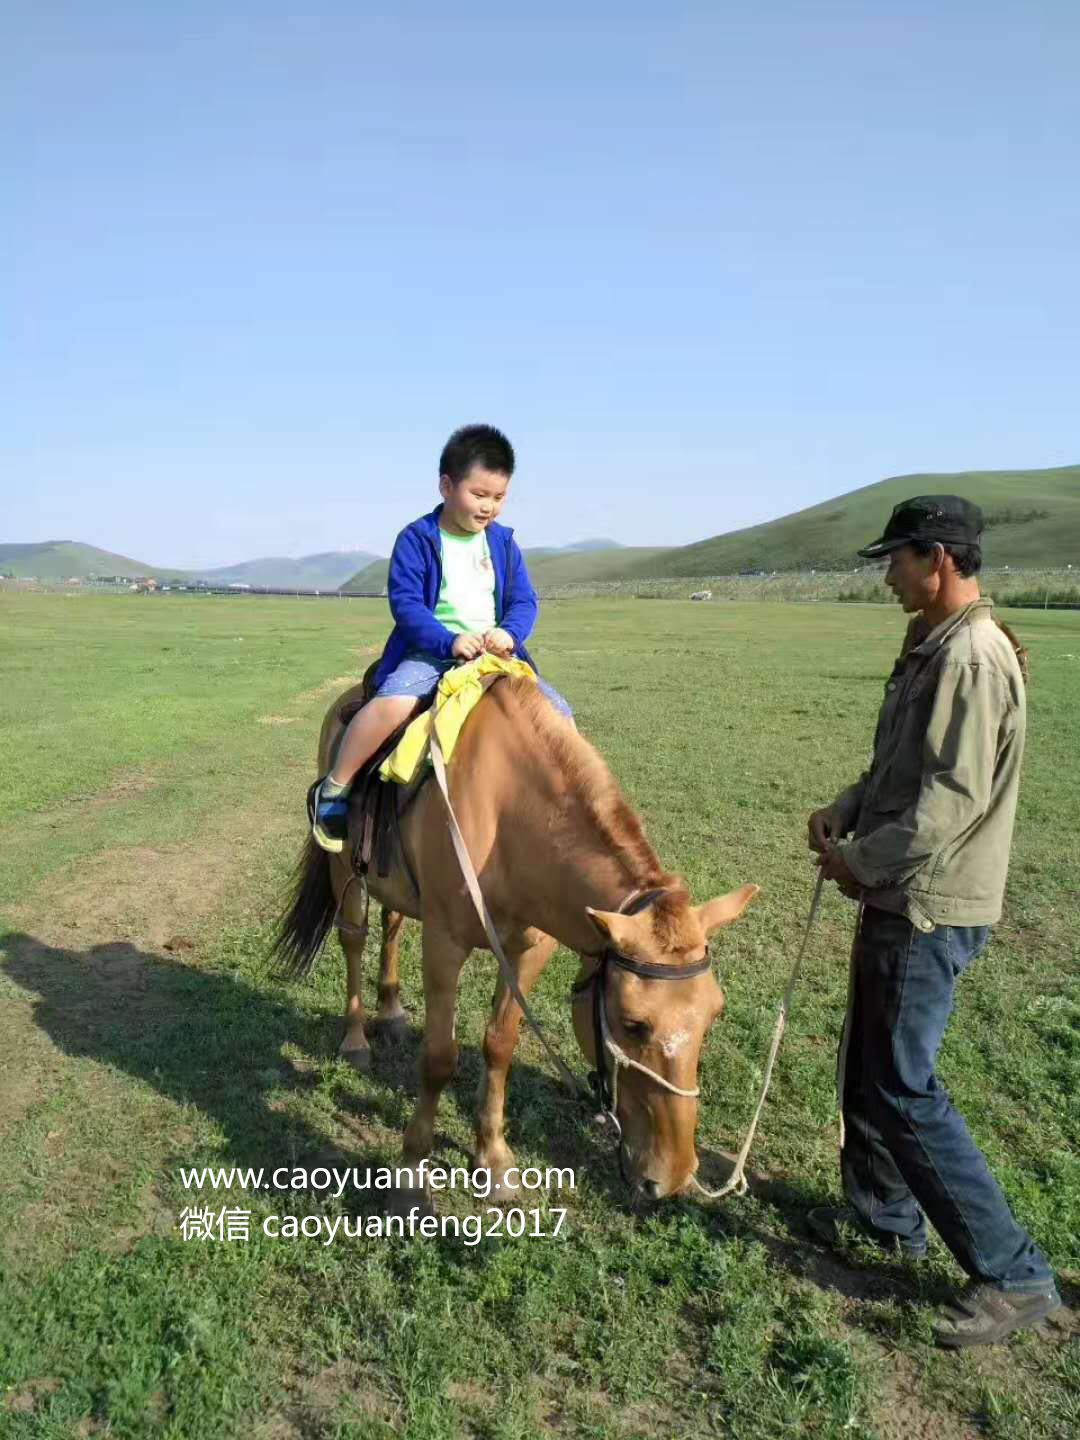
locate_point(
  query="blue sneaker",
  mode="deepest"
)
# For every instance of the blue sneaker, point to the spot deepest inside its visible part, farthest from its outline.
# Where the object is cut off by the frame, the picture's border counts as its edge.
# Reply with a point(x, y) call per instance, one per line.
point(329, 818)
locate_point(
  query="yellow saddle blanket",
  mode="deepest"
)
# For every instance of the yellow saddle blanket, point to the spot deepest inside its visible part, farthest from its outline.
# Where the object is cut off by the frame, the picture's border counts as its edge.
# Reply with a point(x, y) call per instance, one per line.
point(459, 690)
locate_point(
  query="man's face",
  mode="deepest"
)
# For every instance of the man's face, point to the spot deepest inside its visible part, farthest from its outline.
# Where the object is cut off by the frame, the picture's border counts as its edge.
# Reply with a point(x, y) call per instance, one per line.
point(472, 504)
point(914, 578)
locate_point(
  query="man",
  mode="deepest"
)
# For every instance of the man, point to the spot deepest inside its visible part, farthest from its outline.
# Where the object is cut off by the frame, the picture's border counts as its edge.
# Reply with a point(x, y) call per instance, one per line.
point(931, 825)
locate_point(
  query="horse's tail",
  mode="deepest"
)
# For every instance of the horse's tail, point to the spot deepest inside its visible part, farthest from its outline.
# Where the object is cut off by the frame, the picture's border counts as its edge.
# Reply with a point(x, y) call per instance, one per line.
point(304, 926)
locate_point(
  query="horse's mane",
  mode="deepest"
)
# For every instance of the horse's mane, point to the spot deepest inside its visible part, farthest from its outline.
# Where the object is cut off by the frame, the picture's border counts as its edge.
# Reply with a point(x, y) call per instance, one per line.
point(1020, 650)
point(619, 827)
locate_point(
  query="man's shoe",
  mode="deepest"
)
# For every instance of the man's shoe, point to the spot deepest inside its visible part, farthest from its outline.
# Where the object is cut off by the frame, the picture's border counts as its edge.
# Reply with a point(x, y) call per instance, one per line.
point(828, 1223)
point(985, 1315)
point(329, 819)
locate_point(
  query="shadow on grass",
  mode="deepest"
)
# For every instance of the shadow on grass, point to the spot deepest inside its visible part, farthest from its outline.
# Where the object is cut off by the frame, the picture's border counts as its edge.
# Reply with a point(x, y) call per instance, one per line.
point(214, 1041)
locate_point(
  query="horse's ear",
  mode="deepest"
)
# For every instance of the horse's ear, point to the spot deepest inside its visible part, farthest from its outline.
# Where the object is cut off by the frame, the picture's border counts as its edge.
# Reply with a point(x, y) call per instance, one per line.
point(725, 908)
point(613, 928)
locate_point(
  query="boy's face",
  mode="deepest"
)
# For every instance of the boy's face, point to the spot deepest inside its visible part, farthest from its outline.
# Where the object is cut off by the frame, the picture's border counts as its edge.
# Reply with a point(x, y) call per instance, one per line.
point(472, 504)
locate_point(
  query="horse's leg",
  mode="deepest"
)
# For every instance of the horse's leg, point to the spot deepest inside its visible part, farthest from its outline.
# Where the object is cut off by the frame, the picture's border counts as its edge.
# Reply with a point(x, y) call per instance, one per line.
point(500, 1039)
point(390, 1015)
point(443, 959)
point(354, 1046)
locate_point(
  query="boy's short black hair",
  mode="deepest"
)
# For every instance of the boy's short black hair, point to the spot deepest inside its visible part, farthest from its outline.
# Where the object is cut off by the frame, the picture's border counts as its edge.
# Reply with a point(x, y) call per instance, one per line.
point(967, 559)
point(476, 445)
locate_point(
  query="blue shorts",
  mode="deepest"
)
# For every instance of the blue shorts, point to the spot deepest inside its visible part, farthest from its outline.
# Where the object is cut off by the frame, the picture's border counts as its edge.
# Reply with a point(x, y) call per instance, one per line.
point(418, 675)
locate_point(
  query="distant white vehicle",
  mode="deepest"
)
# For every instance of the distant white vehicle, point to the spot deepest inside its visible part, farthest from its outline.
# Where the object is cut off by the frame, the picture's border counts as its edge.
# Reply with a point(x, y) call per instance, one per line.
point(701, 595)
point(239, 585)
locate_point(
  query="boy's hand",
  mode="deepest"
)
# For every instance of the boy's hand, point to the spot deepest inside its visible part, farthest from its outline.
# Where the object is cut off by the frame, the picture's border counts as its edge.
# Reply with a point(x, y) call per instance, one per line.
point(499, 642)
point(467, 646)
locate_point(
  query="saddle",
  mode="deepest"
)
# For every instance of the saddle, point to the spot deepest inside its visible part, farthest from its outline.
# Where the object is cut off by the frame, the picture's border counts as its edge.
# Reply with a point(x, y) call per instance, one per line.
point(376, 808)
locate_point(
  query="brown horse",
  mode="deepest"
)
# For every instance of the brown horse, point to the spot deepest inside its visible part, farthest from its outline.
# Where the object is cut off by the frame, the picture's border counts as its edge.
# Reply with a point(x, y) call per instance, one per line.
point(558, 851)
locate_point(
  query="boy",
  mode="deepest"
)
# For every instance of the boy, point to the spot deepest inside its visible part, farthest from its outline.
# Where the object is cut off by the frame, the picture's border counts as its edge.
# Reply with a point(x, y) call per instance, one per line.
point(458, 587)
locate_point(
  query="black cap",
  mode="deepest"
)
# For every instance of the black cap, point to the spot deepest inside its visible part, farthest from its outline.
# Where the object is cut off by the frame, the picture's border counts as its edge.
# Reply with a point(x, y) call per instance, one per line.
point(949, 519)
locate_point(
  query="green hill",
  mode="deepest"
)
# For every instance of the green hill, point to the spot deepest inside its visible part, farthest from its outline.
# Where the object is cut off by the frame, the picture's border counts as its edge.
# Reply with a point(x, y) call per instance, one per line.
point(68, 559)
point(1033, 519)
point(546, 567)
point(569, 566)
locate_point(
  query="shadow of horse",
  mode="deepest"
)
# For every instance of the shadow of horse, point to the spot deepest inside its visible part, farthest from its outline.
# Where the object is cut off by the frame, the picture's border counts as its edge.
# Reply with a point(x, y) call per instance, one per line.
point(210, 1039)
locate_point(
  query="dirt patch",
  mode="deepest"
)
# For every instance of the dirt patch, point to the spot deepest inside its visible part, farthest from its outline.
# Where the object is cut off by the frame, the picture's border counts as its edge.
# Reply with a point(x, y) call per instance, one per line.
point(23, 1400)
point(153, 1218)
point(343, 1390)
point(142, 895)
point(900, 1413)
point(278, 719)
point(328, 687)
point(76, 809)
point(130, 893)
point(469, 1392)
point(19, 1094)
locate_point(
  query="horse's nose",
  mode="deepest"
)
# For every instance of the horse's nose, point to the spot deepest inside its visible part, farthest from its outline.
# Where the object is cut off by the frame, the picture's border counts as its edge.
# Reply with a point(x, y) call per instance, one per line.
point(650, 1189)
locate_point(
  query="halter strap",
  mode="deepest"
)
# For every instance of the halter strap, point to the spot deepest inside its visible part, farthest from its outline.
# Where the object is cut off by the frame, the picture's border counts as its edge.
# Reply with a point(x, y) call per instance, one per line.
point(606, 1089)
point(634, 903)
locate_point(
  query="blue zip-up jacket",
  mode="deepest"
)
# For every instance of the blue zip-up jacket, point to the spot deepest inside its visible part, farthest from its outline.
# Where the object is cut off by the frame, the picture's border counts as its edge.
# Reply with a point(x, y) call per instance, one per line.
point(413, 591)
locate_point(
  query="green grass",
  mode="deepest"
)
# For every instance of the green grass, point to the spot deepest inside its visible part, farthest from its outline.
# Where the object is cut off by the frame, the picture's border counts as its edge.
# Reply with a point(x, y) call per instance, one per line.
point(121, 1060)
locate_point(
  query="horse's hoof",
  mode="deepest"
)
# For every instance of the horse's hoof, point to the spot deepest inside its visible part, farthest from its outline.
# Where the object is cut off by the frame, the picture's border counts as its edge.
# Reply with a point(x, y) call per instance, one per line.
point(501, 1192)
point(359, 1059)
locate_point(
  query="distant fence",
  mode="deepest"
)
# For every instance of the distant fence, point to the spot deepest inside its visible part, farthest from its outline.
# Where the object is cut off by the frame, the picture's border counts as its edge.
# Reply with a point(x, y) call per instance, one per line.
point(268, 590)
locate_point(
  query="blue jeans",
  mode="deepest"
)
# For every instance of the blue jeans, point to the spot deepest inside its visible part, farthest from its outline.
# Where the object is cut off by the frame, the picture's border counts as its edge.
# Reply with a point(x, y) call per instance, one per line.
point(418, 674)
point(908, 1157)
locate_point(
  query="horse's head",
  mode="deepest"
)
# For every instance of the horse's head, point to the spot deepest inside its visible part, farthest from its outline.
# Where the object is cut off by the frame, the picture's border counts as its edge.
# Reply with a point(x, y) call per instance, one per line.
point(651, 1001)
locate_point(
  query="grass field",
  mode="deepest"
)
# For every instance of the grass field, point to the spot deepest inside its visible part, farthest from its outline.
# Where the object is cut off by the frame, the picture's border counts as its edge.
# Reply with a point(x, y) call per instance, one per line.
point(155, 758)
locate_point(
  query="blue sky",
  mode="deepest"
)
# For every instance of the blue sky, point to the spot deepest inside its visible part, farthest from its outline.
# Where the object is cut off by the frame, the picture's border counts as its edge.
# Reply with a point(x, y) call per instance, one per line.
point(704, 263)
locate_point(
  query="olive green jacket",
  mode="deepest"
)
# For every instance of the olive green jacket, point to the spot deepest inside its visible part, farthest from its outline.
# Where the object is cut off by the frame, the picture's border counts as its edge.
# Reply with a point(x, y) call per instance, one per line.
point(932, 818)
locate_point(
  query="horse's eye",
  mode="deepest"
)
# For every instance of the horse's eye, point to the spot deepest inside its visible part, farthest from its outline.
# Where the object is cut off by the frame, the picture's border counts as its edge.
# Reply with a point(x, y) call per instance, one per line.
point(637, 1029)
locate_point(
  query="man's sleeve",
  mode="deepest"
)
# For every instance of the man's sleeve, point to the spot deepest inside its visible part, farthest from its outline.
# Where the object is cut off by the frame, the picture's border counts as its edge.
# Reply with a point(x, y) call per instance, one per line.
point(848, 803)
point(521, 605)
point(405, 590)
point(958, 758)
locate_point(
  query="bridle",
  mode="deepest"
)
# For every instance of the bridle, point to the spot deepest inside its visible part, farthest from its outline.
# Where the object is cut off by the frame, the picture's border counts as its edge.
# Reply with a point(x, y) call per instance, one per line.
point(605, 1080)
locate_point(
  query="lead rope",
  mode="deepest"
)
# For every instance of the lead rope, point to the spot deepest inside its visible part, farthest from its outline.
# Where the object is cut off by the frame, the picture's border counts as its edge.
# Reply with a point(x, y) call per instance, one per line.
point(737, 1181)
point(845, 1034)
